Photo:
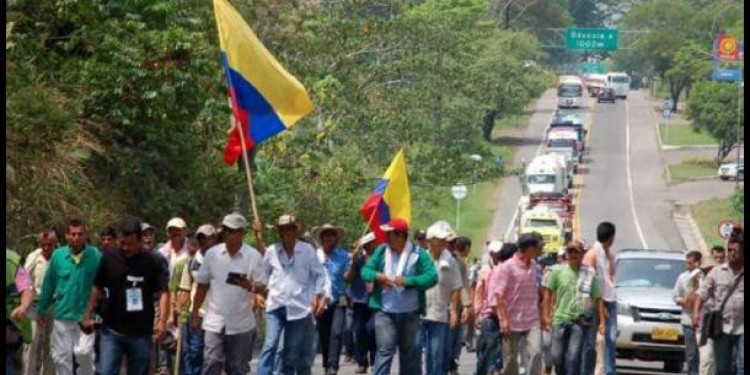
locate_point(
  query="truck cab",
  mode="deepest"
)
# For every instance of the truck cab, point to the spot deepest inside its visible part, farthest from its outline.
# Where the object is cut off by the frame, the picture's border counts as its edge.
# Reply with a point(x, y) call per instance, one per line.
point(567, 148)
point(547, 174)
point(567, 133)
point(545, 221)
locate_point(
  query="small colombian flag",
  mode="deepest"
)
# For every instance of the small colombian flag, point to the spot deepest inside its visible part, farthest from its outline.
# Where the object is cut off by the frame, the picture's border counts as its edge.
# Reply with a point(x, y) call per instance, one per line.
point(265, 98)
point(390, 199)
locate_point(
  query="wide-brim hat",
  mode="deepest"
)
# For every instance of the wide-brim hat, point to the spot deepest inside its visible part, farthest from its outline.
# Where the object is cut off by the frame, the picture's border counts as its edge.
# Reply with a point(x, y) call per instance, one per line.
point(318, 232)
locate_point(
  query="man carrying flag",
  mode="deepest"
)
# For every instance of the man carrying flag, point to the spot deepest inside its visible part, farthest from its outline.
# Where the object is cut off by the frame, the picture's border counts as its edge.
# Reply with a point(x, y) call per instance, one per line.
point(402, 272)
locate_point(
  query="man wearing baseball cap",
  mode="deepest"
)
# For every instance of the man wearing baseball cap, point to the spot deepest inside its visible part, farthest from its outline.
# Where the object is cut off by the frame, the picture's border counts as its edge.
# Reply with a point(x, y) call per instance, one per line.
point(176, 248)
point(443, 303)
point(296, 291)
point(193, 342)
point(402, 272)
point(230, 273)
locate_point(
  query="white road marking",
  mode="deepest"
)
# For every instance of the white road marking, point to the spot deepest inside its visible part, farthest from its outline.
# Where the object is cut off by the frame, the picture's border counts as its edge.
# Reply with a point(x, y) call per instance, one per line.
point(630, 177)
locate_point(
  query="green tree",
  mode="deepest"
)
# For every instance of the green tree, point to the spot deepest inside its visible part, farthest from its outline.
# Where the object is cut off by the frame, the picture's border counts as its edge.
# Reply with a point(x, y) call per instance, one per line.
point(714, 108)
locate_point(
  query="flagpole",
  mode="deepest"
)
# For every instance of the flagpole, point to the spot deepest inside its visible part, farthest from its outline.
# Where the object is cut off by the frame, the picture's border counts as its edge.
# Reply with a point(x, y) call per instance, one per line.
point(248, 173)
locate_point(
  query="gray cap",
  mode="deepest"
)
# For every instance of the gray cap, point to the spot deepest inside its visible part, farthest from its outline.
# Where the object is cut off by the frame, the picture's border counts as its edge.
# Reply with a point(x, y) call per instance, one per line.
point(146, 226)
point(234, 221)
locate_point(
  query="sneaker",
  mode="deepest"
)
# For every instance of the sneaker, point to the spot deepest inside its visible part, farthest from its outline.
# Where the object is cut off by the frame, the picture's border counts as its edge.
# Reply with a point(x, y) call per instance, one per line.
point(330, 371)
point(361, 370)
point(348, 359)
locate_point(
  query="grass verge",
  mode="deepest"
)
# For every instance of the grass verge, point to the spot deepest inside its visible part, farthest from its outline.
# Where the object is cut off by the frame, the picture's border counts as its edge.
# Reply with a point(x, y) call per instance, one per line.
point(691, 169)
point(681, 134)
point(708, 214)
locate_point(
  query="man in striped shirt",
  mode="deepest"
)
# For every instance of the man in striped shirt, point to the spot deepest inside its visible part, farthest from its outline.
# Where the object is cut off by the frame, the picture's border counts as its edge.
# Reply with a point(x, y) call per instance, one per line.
point(517, 297)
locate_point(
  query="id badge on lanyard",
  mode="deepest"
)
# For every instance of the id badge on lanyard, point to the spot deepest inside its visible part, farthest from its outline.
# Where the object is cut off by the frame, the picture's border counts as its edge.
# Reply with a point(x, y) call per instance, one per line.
point(134, 295)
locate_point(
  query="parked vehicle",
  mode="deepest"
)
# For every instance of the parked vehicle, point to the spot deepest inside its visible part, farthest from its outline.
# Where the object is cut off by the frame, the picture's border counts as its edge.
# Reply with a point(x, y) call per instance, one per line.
point(733, 170)
point(569, 92)
point(547, 174)
point(607, 94)
point(620, 82)
point(566, 147)
point(545, 221)
point(566, 132)
point(560, 204)
point(571, 121)
point(648, 319)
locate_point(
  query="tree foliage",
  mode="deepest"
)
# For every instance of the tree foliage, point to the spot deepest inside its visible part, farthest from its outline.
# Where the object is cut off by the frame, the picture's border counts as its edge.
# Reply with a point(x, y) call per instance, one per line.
point(714, 108)
point(119, 107)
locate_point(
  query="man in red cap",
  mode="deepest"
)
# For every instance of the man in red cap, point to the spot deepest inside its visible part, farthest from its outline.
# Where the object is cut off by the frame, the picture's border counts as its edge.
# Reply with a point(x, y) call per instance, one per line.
point(402, 272)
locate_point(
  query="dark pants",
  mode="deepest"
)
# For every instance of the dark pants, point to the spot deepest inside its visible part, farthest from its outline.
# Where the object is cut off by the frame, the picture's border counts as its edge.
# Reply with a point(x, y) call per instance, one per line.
point(331, 328)
point(114, 345)
point(192, 350)
point(364, 335)
point(456, 343)
point(489, 346)
point(397, 331)
point(691, 350)
point(567, 345)
point(727, 347)
point(349, 333)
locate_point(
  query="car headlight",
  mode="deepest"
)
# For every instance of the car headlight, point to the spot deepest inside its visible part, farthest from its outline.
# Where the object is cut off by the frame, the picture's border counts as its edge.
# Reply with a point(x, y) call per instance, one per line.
point(624, 309)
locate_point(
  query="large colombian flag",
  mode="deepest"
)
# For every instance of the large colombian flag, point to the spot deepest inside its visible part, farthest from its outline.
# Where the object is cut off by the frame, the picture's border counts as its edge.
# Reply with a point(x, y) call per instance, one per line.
point(265, 98)
point(390, 199)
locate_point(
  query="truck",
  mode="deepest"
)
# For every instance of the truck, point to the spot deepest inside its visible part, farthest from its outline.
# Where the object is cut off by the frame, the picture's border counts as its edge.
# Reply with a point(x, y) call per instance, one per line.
point(567, 148)
point(545, 221)
point(569, 92)
point(620, 82)
point(547, 174)
point(570, 121)
point(566, 132)
point(561, 204)
point(595, 82)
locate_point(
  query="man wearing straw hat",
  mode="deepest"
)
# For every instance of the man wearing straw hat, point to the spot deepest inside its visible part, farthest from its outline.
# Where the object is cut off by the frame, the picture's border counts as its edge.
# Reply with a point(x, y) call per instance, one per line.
point(295, 279)
point(332, 322)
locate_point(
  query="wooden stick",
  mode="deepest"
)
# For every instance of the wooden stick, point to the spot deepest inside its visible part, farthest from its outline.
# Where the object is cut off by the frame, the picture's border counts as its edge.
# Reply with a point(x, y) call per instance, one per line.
point(178, 350)
point(249, 174)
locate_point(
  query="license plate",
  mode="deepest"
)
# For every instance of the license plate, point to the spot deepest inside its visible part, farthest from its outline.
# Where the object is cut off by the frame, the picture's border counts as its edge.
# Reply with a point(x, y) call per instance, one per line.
point(664, 334)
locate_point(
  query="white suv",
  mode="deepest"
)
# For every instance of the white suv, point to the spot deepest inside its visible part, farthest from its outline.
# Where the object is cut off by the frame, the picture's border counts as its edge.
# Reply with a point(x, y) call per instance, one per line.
point(648, 320)
point(733, 170)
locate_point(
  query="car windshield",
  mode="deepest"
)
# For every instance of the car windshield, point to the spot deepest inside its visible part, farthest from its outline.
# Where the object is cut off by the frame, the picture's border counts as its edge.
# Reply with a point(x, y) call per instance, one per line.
point(569, 91)
point(648, 273)
point(562, 143)
point(620, 79)
point(540, 223)
point(542, 179)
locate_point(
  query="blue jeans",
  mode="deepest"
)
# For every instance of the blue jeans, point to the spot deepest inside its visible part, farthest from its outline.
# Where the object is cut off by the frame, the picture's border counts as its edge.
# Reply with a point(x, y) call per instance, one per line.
point(610, 338)
point(724, 347)
point(112, 347)
point(363, 327)
point(691, 350)
point(567, 344)
point(489, 347)
point(192, 350)
point(435, 343)
point(456, 343)
point(397, 331)
point(297, 347)
point(349, 333)
point(331, 327)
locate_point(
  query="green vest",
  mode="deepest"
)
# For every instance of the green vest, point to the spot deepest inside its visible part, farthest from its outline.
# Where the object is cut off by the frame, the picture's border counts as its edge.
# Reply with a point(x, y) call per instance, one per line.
point(12, 297)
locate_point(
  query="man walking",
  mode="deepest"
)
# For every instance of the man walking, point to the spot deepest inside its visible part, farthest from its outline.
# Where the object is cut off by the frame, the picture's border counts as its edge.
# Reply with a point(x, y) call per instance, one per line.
point(683, 296)
point(19, 295)
point(295, 280)
point(332, 322)
point(230, 272)
point(193, 340)
point(517, 296)
point(38, 354)
point(571, 321)
point(461, 250)
point(726, 284)
point(489, 342)
point(126, 282)
point(402, 272)
point(600, 259)
point(66, 291)
point(363, 325)
point(442, 303)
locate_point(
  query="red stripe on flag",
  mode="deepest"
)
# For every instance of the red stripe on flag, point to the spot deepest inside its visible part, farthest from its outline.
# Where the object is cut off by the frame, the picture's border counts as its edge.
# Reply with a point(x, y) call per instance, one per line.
point(233, 148)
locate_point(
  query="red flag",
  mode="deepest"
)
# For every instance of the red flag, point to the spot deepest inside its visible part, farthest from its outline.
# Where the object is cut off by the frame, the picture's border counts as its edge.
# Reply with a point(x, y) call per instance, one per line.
point(233, 148)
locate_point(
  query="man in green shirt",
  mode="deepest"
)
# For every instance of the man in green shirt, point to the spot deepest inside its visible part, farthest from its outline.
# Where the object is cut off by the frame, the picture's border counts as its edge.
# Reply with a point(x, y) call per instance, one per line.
point(67, 285)
point(570, 323)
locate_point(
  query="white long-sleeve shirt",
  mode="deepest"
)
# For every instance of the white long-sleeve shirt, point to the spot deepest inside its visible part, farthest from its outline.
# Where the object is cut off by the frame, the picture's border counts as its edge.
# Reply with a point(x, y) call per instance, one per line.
point(292, 282)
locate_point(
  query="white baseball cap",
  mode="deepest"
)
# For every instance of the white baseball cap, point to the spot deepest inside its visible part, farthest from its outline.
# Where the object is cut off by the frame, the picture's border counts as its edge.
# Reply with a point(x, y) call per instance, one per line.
point(176, 223)
point(494, 247)
point(234, 221)
point(438, 230)
point(206, 230)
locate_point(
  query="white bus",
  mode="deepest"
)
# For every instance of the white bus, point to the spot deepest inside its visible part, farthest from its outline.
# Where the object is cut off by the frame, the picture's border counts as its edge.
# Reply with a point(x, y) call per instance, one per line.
point(569, 92)
point(620, 82)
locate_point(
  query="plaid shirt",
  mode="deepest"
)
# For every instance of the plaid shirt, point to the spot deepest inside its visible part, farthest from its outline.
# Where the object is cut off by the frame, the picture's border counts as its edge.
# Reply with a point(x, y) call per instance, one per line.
point(519, 286)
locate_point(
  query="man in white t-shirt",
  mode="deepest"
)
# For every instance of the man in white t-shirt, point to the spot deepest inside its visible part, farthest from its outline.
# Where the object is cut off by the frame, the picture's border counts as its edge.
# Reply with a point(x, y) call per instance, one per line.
point(230, 273)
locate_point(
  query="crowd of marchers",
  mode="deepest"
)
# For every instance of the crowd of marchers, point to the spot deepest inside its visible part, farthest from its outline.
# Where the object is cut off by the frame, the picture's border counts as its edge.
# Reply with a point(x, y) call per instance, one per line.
point(193, 305)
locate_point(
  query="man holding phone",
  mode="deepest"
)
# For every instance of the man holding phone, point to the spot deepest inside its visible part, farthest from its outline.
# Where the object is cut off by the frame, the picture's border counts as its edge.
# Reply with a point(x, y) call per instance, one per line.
point(230, 273)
